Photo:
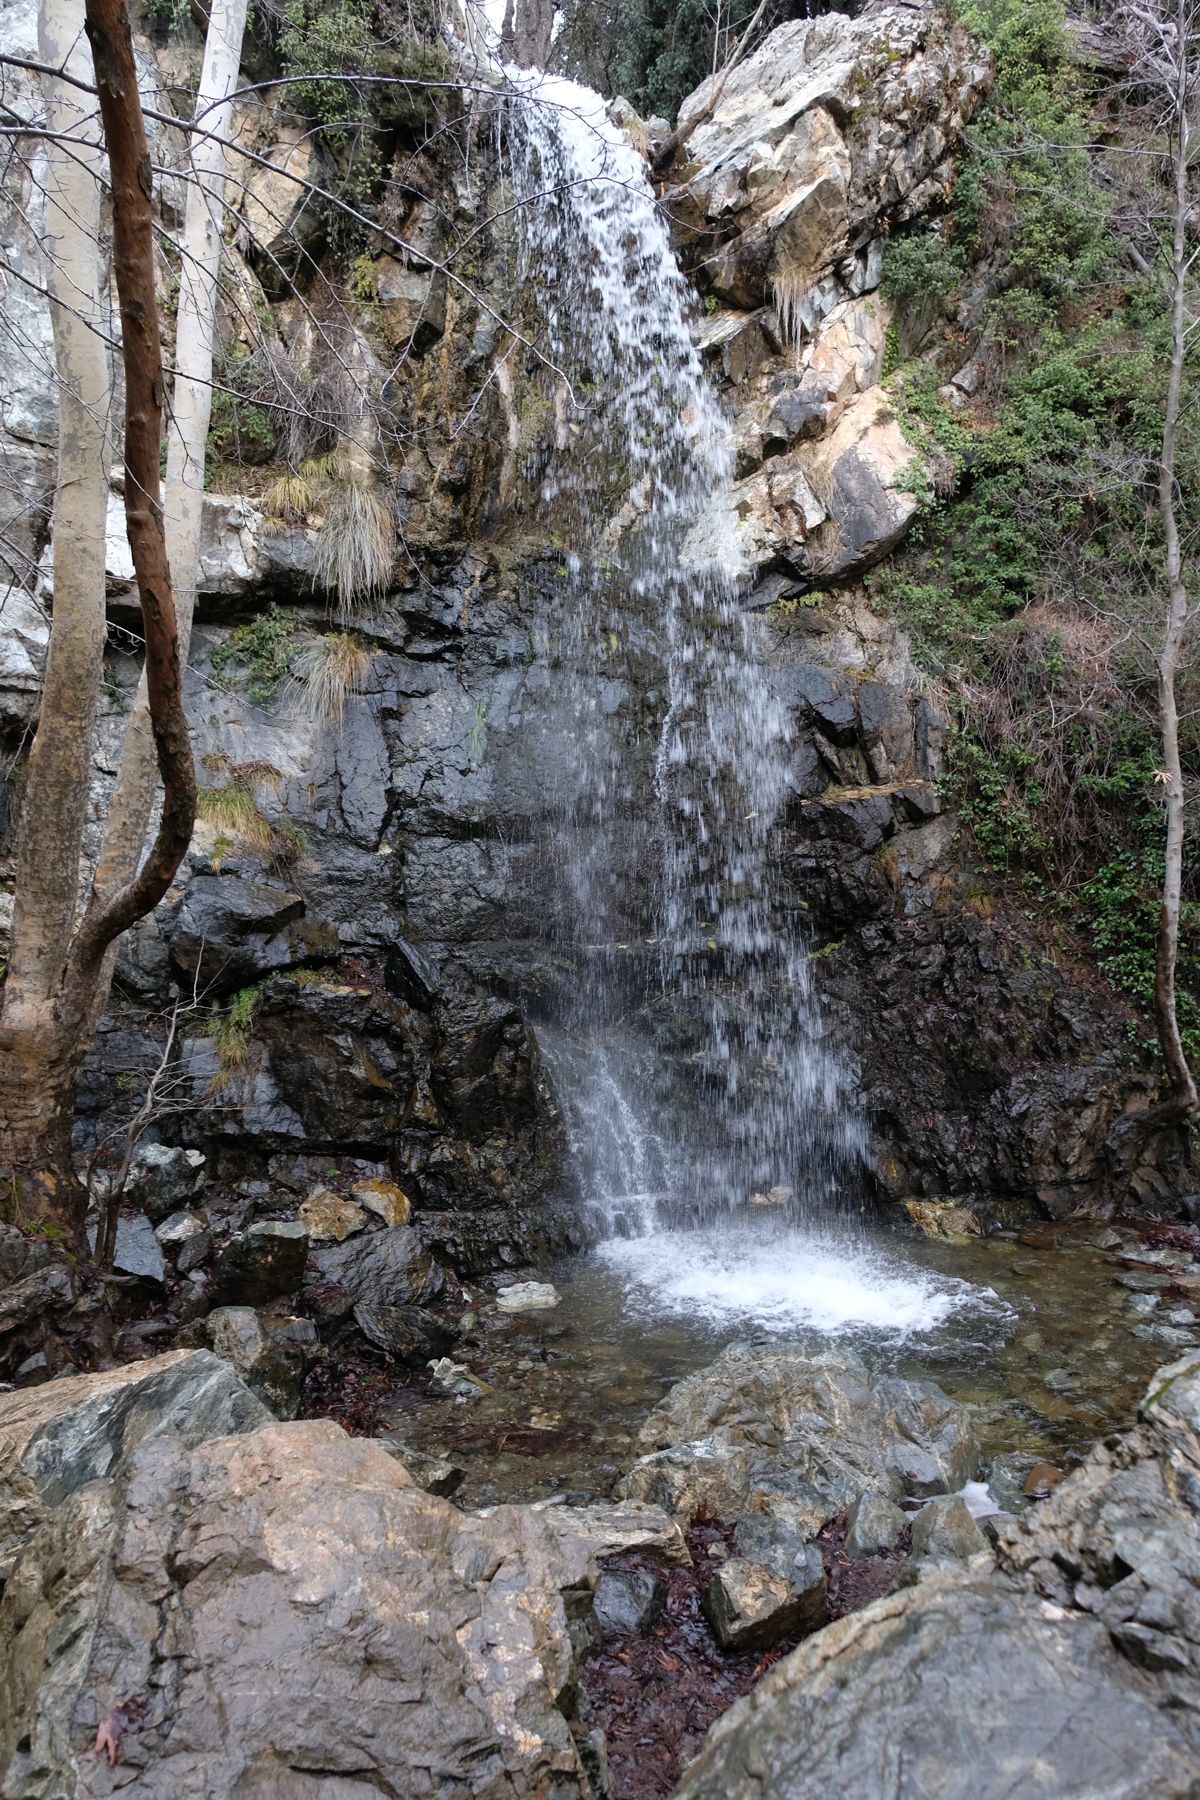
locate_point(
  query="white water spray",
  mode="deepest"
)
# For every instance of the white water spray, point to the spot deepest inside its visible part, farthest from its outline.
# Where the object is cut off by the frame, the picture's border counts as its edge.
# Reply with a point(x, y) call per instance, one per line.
point(696, 1073)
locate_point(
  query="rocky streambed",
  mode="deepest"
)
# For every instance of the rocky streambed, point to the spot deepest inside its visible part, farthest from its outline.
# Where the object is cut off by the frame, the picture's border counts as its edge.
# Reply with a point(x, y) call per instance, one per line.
point(588, 1530)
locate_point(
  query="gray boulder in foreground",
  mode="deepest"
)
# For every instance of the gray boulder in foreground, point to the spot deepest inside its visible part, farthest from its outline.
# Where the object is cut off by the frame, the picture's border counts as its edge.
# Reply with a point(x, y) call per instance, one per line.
point(290, 1616)
point(1071, 1671)
point(56, 1438)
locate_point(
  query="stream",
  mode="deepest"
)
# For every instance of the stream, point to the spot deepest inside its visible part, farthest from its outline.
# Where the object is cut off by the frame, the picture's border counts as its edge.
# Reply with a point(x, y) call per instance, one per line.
point(1036, 1333)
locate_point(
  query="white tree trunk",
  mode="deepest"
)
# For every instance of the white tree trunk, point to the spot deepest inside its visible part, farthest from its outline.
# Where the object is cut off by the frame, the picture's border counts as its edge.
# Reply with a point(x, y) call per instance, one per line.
point(191, 409)
point(55, 807)
point(1183, 1086)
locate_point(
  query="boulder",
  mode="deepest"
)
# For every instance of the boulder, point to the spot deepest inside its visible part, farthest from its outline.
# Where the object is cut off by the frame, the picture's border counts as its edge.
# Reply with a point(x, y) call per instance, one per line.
point(58, 1437)
point(944, 1531)
point(751, 1608)
point(1072, 1668)
point(782, 1550)
point(799, 1436)
point(409, 1334)
point(627, 1600)
point(327, 1216)
point(164, 1178)
point(384, 1199)
point(262, 1263)
point(286, 1612)
point(270, 1354)
point(380, 1268)
point(873, 1524)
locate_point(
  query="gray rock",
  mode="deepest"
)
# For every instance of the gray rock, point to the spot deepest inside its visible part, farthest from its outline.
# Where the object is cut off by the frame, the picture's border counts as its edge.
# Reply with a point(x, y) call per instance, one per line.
point(627, 1600)
point(136, 1250)
point(229, 932)
point(751, 1608)
point(48, 1288)
point(780, 1548)
point(163, 1178)
point(1072, 1668)
point(261, 1263)
point(436, 1474)
point(454, 1381)
point(297, 1617)
point(873, 1523)
point(56, 1438)
point(945, 1531)
point(408, 1333)
point(799, 1436)
point(270, 1354)
point(391, 1268)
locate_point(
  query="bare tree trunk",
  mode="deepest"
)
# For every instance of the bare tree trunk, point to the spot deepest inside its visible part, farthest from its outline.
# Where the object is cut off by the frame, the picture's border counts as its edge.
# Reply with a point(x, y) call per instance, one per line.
point(187, 435)
point(1182, 1100)
point(53, 1005)
point(36, 1037)
point(527, 31)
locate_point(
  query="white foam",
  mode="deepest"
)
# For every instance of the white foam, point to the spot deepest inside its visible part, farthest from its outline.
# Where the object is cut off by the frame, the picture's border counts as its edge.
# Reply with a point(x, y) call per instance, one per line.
point(789, 1281)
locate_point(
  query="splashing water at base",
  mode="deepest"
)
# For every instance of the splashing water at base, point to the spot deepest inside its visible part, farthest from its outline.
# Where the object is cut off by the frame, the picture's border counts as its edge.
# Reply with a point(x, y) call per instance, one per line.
point(788, 1281)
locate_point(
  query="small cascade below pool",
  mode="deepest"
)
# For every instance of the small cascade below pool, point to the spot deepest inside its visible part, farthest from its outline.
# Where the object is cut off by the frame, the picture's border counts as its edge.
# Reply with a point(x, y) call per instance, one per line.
point(711, 1115)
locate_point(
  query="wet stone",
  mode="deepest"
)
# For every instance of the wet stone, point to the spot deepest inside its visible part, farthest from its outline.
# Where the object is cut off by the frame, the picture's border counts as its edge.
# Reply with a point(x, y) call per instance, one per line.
point(945, 1531)
point(451, 1380)
point(873, 1524)
point(527, 1296)
point(436, 1474)
point(261, 1263)
point(627, 1600)
point(1006, 1477)
point(408, 1333)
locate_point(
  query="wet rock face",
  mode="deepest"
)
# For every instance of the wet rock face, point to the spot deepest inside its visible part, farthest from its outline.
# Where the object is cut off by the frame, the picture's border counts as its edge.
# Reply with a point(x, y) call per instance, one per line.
point(1072, 1669)
point(57, 1438)
point(290, 1611)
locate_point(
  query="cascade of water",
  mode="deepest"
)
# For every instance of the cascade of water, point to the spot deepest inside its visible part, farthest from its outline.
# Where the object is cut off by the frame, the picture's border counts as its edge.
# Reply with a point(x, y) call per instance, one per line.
point(687, 1044)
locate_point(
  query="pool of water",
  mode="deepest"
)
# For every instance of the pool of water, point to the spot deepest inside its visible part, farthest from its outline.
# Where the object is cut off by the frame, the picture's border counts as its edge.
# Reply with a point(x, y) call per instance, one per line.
point(1038, 1334)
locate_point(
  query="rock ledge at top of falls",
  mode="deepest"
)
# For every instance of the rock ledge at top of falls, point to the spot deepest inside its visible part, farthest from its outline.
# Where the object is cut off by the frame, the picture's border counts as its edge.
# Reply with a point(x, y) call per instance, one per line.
point(833, 131)
point(798, 1436)
point(834, 134)
point(1072, 1669)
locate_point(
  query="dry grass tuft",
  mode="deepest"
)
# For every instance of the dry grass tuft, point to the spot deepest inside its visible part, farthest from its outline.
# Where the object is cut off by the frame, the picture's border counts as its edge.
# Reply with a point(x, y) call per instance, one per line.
point(329, 671)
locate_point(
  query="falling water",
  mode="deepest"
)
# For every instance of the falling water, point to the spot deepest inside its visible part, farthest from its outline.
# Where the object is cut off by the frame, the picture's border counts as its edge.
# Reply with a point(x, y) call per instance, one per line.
point(700, 1084)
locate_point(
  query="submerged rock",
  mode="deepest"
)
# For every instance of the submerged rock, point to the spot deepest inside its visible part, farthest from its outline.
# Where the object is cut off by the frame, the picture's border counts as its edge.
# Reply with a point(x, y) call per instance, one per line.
point(527, 1296)
point(799, 1436)
point(1071, 1669)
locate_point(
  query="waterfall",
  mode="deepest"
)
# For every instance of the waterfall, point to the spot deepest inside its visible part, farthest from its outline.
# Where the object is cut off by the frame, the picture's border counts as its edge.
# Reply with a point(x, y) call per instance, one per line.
point(695, 1070)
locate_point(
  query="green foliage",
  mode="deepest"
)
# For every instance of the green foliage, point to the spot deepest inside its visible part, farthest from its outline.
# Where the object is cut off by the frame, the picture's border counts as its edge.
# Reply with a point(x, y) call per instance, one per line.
point(327, 38)
point(1120, 913)
point(241, 430)
point(232, 1031)
point(258, 654)
point(922, 266)
point(1032, 582)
